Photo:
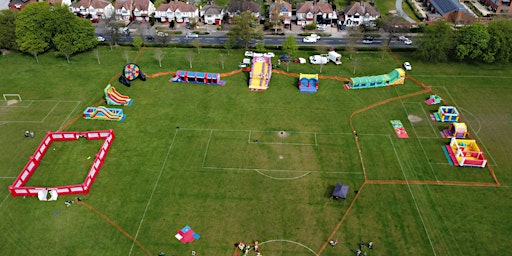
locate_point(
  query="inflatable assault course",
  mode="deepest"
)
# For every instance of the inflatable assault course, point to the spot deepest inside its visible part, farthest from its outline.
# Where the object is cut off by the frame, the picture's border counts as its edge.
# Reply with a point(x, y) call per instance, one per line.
point(395, 77)
point(184, 76)
point(103, 113)
point(114, 98)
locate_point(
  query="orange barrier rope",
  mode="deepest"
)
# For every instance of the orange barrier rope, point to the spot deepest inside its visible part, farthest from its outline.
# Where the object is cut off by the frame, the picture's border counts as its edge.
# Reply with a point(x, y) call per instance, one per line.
point(105, 217)
point(342, 220)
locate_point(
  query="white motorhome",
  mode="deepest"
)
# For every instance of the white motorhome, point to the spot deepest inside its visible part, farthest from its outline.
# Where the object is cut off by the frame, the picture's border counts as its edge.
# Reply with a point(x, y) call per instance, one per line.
point(334, 57)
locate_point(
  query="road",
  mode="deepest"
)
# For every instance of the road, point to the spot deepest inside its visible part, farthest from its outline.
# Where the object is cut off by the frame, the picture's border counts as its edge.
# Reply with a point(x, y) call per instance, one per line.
point(273, 40)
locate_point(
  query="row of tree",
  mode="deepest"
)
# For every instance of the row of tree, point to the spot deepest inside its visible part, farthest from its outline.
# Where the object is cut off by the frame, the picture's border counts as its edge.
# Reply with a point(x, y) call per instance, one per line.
point(491, 43)
point(41, 27)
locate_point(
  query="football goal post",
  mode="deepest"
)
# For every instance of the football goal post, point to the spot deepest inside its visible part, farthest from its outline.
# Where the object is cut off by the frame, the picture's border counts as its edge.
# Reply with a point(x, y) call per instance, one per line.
point(11, 96)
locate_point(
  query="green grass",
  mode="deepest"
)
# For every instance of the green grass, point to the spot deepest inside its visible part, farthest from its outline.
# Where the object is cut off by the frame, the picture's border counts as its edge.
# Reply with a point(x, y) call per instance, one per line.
point(212, 175)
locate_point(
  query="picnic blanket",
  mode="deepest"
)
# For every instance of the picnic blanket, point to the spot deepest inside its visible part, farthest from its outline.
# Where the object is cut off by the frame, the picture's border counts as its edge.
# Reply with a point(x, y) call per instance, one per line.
point(399, 129)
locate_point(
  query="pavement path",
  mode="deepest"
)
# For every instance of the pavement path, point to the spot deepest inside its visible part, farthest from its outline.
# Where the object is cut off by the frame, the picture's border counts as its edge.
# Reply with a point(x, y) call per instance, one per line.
point(400, 11)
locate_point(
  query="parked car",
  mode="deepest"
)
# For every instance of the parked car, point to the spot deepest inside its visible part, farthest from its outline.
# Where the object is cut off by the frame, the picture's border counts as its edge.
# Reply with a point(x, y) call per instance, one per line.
point(408, 42)
point(192, 35)
point(321, 27)
point(162, 34)
point(368, 40)
point(407, 66)
point(150, 38)
point(285, 57)
point(402, 38)
point(100, 39)
point(248, 54)
point(318, 59)
point(315, 36)
point(309, 39)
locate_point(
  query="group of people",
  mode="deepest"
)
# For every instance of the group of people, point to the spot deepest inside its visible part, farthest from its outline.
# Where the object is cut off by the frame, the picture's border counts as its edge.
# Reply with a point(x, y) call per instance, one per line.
point(29, 134)
point(361, 247)
point(245, 248)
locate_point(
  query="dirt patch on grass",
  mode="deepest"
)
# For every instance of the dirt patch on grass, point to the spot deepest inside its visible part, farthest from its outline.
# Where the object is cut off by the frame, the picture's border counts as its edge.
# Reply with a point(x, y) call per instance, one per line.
point(11, 102)
point(414, 119)
point(282, 134)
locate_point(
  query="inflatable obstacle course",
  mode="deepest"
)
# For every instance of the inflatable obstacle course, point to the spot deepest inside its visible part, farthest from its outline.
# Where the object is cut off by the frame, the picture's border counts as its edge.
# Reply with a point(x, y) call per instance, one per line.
point(103, 113)
point(113, 97)
point(395, 77)
point(184, 76)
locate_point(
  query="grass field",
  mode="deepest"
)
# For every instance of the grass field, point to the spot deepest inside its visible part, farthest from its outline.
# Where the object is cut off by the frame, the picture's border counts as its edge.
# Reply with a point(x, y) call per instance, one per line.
point(238, 166)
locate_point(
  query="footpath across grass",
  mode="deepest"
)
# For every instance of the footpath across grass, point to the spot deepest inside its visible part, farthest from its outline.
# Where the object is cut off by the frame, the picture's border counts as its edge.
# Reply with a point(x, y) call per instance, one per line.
point(237, 165)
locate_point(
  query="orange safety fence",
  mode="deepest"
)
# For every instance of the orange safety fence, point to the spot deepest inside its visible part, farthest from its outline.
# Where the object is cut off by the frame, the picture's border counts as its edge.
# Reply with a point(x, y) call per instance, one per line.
point(105, 217)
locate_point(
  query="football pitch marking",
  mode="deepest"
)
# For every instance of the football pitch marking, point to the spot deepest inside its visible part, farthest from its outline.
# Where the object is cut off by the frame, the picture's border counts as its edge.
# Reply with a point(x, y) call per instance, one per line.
point(56, 104)
point(419, 141)
point(414, 200)
point(5, 199)
point(288, 241)
point(153, 192)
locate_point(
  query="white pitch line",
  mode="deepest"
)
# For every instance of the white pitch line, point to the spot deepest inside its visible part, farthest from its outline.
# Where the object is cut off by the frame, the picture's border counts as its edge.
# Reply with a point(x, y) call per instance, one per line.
point(416, 135)
point(153, 191)
point(414, 200)
point(3, 201)
point(289, 241)
point(51, 110)
point(273, 170)
point(284, 143)
point(69, 115)
point(206, 149)
point(274, 178)
point(4, 177)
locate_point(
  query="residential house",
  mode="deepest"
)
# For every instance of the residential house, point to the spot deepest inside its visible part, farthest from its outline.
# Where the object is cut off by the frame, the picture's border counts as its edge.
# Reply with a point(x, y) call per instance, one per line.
point(178, 11)
point(19, 4)
point(93, 9)
point(498, 6)
point(319, 12)
point(142, 10)
point(212, 14)
point(359, 13)
point(451, 10)
point(236, 7)
point(123, 10)
point(284, 11)
point(59, 2)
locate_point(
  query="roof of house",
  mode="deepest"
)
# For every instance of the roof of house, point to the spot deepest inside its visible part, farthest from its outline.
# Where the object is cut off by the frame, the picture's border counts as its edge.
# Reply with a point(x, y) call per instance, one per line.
point(211, 9)
point(177, 5)
point(242, 6)
point(361, 8)
point(446, 6)
point(96, 4)
point(285, 6)
point(126, 4)
point(314, 7)
point(141, 5)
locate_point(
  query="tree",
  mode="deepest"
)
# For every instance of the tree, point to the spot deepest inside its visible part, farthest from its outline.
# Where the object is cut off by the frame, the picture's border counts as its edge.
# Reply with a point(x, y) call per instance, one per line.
point(243, 30)
point(500, 41)
point(222, 60)
point(260, 47)
point(276, 20)
point(472, 42)
point(34, 29)
point(436, 43)
point(40, 27)
point(353, 35)
point(190, 57)
point(97, 54)
point(228, 46)
point(8, 29)
point(197, 44)
point(290, 46)
point(138, 42)
point(163, 37)
point(65, 45)
point(159, 56)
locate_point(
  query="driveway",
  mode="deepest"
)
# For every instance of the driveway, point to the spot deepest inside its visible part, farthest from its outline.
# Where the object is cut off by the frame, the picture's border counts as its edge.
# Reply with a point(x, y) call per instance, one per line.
point(400, 11)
